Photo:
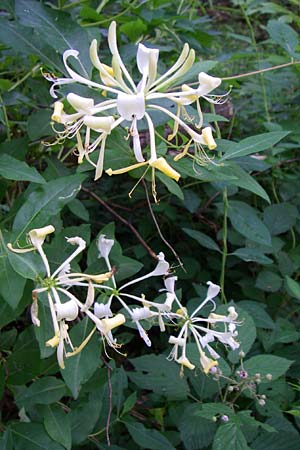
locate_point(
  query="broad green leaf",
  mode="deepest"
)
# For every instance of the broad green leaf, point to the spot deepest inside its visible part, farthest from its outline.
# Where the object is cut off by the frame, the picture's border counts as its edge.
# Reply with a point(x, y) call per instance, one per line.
point(134, 29)
point(292, 287)
point(280, 218)
point(38, 124)
point(268, 281)
point(242, 179)
point(28, 265)
point(22, 40)
point(11, 283)
point(245, 221)
point(45, 202)
point(279, 441)
point(267, 364)
point(251, 254)
point(171, 185)
point(229, 436)
point(284, 35)
point(24, 362)
point(199, 66)
point(86, 413)
point(57, 424)
point(78, 209)
point(44, 391)
point(202, 239)
point(147, 438)
point(195, 432)
point(6, 441)
point(79, 368)
point(210, 410)
point(260, 316)
point(129, 403)
point(254, 144)
point(155, 373)
point(54, 27)
point(32, 436)
point(13, 169)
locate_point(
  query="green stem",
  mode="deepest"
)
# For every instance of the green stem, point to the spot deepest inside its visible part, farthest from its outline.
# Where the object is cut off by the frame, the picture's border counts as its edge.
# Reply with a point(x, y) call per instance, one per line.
point(224, 252)
point(27, 75)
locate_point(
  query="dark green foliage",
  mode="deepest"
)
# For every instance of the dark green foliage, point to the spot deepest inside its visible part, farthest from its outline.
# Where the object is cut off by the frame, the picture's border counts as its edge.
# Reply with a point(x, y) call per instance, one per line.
point(234, 222)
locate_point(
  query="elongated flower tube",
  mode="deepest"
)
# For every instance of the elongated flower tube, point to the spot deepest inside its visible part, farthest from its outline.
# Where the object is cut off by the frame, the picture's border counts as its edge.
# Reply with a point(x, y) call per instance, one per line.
point(128, 102)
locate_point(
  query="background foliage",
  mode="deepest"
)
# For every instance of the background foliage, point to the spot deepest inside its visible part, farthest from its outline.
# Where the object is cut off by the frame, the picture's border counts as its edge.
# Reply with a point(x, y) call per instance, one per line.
point(235, 223)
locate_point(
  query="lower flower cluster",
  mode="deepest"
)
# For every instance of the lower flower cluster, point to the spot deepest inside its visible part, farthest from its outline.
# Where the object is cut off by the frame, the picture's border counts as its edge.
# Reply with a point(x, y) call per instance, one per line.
point(65, 306)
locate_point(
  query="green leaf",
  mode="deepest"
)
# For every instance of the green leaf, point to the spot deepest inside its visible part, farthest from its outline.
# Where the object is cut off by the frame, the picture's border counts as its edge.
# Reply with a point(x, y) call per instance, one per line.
point(24, 362)
point(268, 281)
point(258, 313)
point(229, 436)
point(251, 254)
point(155, 373)
point(134, 29)
point(45, 202)
point(280, 218)
point(79, 368)
point(242, 179)
point(265, 364)
point(210, 410)
point(293, 287)
point(147, 438)
point(11, 283)
point(57, 425)
point(44, 391)
point(245, 221)
point(195, 432)
point(23, 41)
point(129, 403)
point(86, 413)
point(202, 239)
point(38, 124)
point(32, 436)
point(54, 27)
point(13, 169)
point(78, 209)
point(28, 265)
point(171, 185)
point(254, 144)
point(284, 35)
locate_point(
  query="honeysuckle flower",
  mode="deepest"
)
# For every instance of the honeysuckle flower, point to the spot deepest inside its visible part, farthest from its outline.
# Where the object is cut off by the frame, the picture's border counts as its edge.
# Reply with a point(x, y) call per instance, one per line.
point(128, 102)
point(64, 306)
point(201, 330)
point(104, 246)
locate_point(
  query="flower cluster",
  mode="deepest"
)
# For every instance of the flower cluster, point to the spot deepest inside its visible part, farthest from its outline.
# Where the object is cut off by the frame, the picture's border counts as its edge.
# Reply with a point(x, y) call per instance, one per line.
point(65, 307)
point(127, 102)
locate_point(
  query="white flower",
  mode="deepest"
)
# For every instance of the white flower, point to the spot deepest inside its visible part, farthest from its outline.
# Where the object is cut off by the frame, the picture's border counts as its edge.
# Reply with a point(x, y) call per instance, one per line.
point(104, 246)
point(130, 102)
point(202, 331)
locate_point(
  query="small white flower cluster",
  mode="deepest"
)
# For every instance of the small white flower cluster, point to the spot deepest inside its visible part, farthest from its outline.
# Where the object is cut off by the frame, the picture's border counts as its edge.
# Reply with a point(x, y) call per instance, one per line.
point(65, 306)
point(128, 102)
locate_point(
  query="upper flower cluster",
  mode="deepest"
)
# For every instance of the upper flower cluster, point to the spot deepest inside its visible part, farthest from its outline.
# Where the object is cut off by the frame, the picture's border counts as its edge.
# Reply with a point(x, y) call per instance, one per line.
point(126, 101)
point(65, 307)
